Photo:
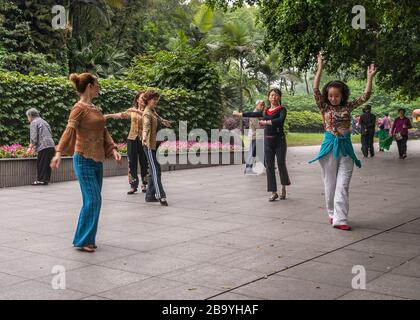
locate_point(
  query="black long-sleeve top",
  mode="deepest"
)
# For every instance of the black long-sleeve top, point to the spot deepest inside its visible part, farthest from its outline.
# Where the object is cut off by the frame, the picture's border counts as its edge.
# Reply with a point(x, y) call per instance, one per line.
point(277, 117)
point(367, 123)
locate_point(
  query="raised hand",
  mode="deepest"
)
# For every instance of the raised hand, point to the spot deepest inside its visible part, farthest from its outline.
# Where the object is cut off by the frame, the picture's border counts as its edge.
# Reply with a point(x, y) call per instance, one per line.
point(237, 114)
point(321, 61)
point(371, 70)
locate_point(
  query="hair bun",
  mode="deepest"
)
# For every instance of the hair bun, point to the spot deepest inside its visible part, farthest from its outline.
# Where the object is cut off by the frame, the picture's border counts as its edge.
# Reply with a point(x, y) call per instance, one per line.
point(74, 77)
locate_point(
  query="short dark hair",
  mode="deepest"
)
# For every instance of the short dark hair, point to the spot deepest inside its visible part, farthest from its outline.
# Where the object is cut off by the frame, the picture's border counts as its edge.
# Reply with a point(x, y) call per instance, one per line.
point(368, 107)
point(401, 109)
point(345, 91)
point(386, 114)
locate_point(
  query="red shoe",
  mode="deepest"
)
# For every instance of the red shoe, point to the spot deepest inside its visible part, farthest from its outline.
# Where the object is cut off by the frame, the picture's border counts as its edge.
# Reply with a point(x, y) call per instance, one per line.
point(343, 227)
point(330, 220)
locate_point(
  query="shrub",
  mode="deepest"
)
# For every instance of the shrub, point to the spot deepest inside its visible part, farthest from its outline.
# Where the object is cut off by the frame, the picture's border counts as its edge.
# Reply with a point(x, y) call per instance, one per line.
point(304, 121)
point(54, 97)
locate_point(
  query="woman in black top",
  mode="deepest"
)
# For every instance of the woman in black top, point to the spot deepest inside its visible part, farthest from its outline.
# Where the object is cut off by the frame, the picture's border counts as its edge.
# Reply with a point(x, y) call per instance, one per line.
point(274, 142)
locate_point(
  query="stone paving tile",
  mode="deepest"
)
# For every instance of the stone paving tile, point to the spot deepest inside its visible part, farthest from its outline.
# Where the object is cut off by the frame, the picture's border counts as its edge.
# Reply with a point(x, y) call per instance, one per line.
point(160, 289)
point(35, 266)
point(367, 295)
point(396, 285)
point(387, 248)
point(410, 268)
point(7, 254)
point(375, 262)
point(148, 264)
point(34, 290)
point(193, 251)
point(331, 274)
point(282, 288)
point(225, 236)
point(95, 279)
point(213, 276)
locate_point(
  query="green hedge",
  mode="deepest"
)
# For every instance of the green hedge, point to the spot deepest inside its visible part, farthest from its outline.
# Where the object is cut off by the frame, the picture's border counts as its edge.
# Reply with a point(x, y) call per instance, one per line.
point(304, 121)
point(54, 97)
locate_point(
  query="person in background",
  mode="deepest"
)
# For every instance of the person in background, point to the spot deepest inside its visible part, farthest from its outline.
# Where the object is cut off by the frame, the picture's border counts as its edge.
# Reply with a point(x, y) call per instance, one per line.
point(256, 137)
point(400, 131)
point(275, 144)
point(385, 140)
point(152, 123)
point(135, 150)
point(41, 141)
point(367, 128)
point(386, 122)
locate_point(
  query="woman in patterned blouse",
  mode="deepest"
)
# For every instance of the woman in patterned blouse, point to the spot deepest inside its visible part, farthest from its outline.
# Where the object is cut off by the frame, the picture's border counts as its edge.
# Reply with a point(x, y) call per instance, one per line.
point(337, 156)
point(89, 142)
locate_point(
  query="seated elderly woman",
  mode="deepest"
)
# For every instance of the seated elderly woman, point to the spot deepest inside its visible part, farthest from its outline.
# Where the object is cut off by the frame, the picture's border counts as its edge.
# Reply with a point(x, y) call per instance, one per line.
point(41, 141)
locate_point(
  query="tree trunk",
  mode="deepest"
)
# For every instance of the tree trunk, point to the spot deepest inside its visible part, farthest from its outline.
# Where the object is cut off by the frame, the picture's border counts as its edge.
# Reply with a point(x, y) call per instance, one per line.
point(306, 83)
point(241, 98)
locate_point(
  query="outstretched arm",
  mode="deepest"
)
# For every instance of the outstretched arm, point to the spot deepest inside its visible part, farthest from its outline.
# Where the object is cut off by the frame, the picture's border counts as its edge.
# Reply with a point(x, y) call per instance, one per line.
point(368, 89)
point(321, 64)
point(317, 80)
point(257, 114)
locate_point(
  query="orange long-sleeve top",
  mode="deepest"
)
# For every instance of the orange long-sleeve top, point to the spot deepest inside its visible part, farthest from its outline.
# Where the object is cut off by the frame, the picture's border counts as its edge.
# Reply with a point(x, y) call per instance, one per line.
point(86, 134)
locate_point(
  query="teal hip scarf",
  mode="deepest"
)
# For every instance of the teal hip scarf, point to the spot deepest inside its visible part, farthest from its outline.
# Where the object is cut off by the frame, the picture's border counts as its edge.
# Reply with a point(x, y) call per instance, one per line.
point(337, 144)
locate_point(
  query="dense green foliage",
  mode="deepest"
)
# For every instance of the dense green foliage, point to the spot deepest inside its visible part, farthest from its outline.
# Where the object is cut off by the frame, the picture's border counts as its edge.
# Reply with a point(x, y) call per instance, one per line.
point(300, 29)
point(54, 97)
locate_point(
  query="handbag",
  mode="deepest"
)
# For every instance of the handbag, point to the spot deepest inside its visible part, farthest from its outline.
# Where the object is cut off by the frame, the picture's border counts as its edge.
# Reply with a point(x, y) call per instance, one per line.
point(398, 136)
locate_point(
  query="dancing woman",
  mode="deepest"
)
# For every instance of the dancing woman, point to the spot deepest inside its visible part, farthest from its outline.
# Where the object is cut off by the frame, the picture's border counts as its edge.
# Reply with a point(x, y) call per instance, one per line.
point(134, 145)
point(275, 145)
point(152, 123)
point(337, 157)
point(88, 140)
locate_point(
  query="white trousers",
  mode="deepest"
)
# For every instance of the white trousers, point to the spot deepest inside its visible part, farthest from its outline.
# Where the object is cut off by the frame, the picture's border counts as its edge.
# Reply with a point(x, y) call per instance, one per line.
point(337, 175)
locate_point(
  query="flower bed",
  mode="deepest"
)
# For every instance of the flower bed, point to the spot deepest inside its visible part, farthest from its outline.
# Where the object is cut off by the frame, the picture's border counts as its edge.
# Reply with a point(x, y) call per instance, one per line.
point(18, 151)
point(15, 151)
point(18, 168)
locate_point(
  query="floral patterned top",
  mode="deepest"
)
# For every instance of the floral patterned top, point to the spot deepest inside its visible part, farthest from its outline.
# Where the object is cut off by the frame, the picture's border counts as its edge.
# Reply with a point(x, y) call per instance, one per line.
point(337, 119)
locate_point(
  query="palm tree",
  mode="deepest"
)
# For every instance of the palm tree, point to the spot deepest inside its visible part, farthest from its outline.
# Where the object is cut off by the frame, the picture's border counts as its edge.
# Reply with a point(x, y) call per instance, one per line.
point(81, 12)
point(235, 40)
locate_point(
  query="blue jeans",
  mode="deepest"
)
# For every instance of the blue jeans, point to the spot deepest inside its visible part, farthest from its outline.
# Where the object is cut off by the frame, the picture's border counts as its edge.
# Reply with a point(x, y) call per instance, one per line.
point(90, 175)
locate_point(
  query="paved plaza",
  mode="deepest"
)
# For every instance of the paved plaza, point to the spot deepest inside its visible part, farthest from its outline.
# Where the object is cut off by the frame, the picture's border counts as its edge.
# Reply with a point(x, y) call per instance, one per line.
point(220, 238)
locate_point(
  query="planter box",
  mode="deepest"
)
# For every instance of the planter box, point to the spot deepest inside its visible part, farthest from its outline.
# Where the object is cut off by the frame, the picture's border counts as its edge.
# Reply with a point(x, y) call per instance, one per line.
point(21, 172)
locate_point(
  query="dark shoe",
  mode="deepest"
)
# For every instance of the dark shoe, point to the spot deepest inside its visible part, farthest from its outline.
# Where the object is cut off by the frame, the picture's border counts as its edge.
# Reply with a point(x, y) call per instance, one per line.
point(273, 197)
point(404, 156)
point(143, 188)
point(39, 183)
point(283, 193)
point(151, 200)
point(132, 191)
point(330, 220)
point(163, 202)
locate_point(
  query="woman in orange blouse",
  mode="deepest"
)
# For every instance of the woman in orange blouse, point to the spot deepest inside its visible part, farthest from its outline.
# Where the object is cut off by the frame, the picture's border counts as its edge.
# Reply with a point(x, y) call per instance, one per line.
point(87, 139)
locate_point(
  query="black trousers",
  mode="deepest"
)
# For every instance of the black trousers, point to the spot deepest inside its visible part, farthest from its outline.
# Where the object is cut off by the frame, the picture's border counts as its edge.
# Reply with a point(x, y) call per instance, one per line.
point(154, 188)
point(135, 155)
point(367, 144)
point(276, 147)
point(402, 146)
point(43, 161)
